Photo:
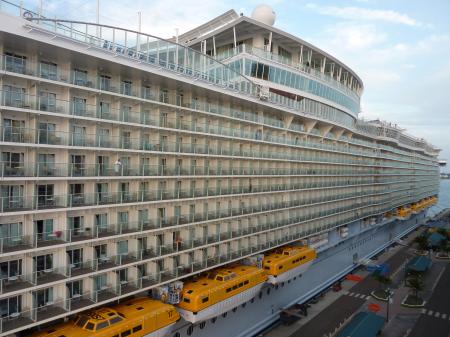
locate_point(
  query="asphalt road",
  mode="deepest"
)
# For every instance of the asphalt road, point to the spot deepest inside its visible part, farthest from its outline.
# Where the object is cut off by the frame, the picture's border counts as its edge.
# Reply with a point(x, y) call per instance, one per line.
point(326, 321)
point(394, 262)
point(430, 325)
point(343, 307)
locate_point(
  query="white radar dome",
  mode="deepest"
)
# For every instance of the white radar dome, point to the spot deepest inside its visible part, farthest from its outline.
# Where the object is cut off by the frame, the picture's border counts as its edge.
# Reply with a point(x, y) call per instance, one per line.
point(264, 14)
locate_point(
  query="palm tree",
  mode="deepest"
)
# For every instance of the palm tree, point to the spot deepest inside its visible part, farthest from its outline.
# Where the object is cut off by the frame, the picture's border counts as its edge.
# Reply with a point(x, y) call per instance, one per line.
point(422, 242)
point(382, 280)
point(415, 284)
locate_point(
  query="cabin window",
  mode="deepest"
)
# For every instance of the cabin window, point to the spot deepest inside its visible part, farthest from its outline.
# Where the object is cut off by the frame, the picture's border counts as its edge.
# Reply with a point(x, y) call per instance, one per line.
point(241, 284)
point(90, 326)
point(219, 278)
point(246, 282)
point(125, 333)
point(190, 291)
point(82, 321)
point(235, 287)
point(115, 320)
point(102, 325)
point(187, 300)
point(205, 299)
point(137, 328)
point(267, 267)
point(228, 290)
point(280, 267)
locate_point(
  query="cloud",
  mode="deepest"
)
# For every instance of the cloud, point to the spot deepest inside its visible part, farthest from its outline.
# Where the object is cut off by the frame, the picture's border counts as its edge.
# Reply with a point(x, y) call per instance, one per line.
point(355, 36)
point(364, 14)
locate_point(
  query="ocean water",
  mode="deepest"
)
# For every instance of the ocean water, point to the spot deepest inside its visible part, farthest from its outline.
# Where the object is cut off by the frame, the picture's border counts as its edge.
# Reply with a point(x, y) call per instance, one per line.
point(444, 197)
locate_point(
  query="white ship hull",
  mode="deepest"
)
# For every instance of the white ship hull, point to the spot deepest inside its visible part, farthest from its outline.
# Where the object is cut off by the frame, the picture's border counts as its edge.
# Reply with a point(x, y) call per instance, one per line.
point(290, 274)
point(221, 307)
point(161, 332)
point(331, 265)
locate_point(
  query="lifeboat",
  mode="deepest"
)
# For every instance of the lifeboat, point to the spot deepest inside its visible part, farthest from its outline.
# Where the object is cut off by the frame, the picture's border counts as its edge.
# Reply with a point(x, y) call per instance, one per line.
point(219, 291)
point(415, 207)
point(403, 212)
point(135, 317)
point(286, 263)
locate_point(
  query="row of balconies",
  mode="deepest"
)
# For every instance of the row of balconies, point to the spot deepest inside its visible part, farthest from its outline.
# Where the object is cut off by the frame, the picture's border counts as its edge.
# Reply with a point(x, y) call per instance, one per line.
point(51, 169)
point(122, 282)
point(89, 232)
point(116, 284)
point(126, 142)
point(19, 65)
point(17, 203)
point(107, 261)
point(21, 100)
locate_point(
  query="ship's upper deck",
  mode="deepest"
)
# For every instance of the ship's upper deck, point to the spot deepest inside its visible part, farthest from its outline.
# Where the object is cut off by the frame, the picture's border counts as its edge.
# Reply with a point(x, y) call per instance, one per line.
point(230, 34)
point(171, 59)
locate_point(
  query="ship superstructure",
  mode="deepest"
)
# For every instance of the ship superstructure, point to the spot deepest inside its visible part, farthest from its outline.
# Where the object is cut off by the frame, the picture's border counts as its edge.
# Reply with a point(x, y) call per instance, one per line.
point(130, 162)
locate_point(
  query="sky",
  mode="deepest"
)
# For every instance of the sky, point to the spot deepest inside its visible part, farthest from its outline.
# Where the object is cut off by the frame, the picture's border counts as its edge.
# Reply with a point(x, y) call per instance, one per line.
point(400, 48)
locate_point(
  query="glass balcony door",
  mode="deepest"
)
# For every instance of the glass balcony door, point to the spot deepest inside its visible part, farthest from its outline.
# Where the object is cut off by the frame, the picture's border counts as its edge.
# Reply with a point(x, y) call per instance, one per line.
point(75, 258)
point(44, 230)
point(101, 223)
point(46, 164)
point(77, 165)
point(13, 130)
point(47, 133)
point(11, 306)
point(79, 106)
point(43, 264)
point(78, 135)
point(76, 225)
point(15, 63)
point(48, 70)
point(45, 195)
point(104, 110)
point(10, 270)
point(100, 282)
point(11, 232)
point(13, 96)
point(42, 297)
point(101, 252)
point(12, 163)
point(74, 289)
point(102, 165)
point(47, 101)
point(76, 194)
point(12, 196)
point(80, 77)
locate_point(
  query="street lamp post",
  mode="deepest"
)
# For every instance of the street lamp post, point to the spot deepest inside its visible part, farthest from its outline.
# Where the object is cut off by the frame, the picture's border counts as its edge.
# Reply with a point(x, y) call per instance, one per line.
point(388, 301)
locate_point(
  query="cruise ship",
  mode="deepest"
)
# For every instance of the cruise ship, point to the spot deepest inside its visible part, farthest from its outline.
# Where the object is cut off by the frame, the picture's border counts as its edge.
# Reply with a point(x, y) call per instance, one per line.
point(133, 165)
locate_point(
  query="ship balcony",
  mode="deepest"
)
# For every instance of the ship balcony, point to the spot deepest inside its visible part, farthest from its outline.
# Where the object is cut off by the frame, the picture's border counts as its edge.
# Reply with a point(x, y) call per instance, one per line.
point(41, 311)
point(108, 292)
point(51, 201)
point(25, 101)
point(70, 139)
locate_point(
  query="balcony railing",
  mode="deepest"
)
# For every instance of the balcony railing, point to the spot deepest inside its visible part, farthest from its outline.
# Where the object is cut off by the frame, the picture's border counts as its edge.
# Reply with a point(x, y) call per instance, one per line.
point(14, 99)
point(60, 138)
point(21, 203)
point(50, 169)
point(108, 292)
point(21, 100)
